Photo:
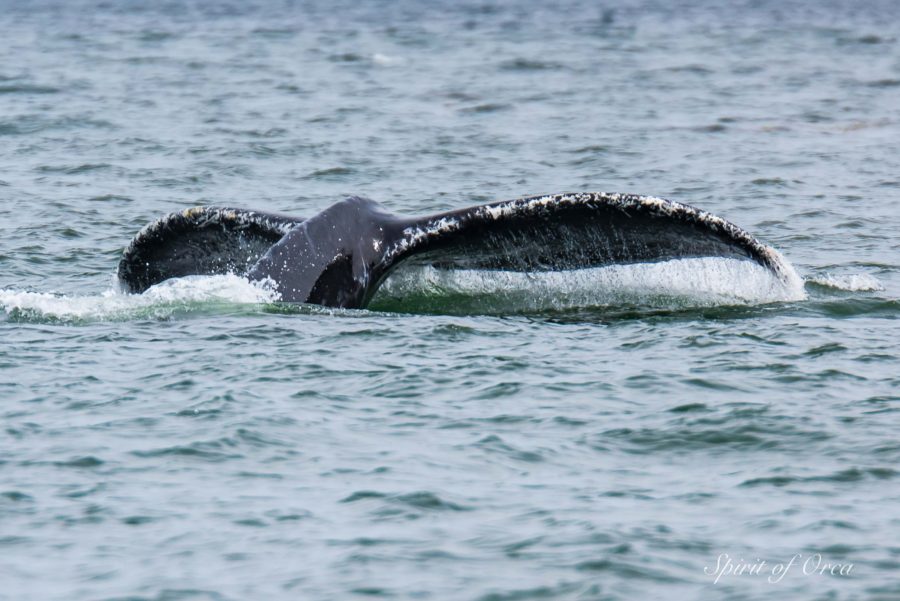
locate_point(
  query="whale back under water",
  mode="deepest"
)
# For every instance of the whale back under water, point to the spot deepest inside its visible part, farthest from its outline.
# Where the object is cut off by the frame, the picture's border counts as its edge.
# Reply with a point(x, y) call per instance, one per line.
point(341, 256)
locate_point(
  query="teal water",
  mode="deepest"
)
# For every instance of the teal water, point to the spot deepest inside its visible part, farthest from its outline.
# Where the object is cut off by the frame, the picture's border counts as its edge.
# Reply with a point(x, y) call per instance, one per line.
point(484, 438)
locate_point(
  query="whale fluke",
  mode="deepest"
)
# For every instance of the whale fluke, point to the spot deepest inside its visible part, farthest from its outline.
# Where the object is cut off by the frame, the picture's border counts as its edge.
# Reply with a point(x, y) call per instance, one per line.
point(339, 257)
point(200, 241)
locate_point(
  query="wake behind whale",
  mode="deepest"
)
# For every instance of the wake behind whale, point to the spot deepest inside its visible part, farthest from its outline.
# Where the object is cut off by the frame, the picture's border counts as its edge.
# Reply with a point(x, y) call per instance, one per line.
point(574, 245)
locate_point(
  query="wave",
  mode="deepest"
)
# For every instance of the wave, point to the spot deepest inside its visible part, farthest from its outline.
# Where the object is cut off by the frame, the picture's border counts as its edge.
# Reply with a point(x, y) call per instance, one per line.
point(854, 282)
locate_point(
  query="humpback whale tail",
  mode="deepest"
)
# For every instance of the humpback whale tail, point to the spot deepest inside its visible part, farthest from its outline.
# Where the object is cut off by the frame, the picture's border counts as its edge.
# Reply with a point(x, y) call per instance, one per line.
point(200, 241)
point(341, 256)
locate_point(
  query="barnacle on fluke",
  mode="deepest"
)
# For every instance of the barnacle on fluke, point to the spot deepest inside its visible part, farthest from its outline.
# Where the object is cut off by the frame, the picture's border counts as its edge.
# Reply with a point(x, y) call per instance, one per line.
point(340, 257)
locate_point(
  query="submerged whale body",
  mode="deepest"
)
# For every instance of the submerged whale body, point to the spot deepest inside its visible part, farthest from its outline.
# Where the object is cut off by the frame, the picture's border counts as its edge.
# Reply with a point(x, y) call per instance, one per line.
point(341, 256)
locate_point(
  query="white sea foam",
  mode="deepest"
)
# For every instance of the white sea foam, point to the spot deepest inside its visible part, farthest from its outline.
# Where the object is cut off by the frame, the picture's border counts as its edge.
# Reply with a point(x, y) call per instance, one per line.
point(384, 60)
point(159, 301)
point(682, 282)
point(854, 282)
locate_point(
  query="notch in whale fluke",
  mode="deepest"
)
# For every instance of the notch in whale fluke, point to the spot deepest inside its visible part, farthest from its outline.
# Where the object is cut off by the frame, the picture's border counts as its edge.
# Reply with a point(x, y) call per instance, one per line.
point(339, 257)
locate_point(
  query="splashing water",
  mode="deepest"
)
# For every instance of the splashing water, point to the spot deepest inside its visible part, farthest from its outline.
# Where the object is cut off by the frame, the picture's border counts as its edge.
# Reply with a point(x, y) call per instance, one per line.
point(193, 293)
point(674, 284)
point(671, 284)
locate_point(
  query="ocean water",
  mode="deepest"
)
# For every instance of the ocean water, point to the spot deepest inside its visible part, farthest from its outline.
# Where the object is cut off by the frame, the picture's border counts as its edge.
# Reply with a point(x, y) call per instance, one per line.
point(683, 431)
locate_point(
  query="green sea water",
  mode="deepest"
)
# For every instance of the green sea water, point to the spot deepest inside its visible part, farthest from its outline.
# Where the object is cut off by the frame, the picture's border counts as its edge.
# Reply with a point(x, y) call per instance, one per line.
point(676, 430)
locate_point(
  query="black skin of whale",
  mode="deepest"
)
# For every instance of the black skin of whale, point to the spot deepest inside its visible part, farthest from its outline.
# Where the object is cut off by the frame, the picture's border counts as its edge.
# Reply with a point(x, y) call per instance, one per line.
point(332, 258)
point(339, 257)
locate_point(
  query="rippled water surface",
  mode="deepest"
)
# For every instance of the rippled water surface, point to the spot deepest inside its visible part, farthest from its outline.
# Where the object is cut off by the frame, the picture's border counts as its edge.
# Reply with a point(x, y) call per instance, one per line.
point(203, 442)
